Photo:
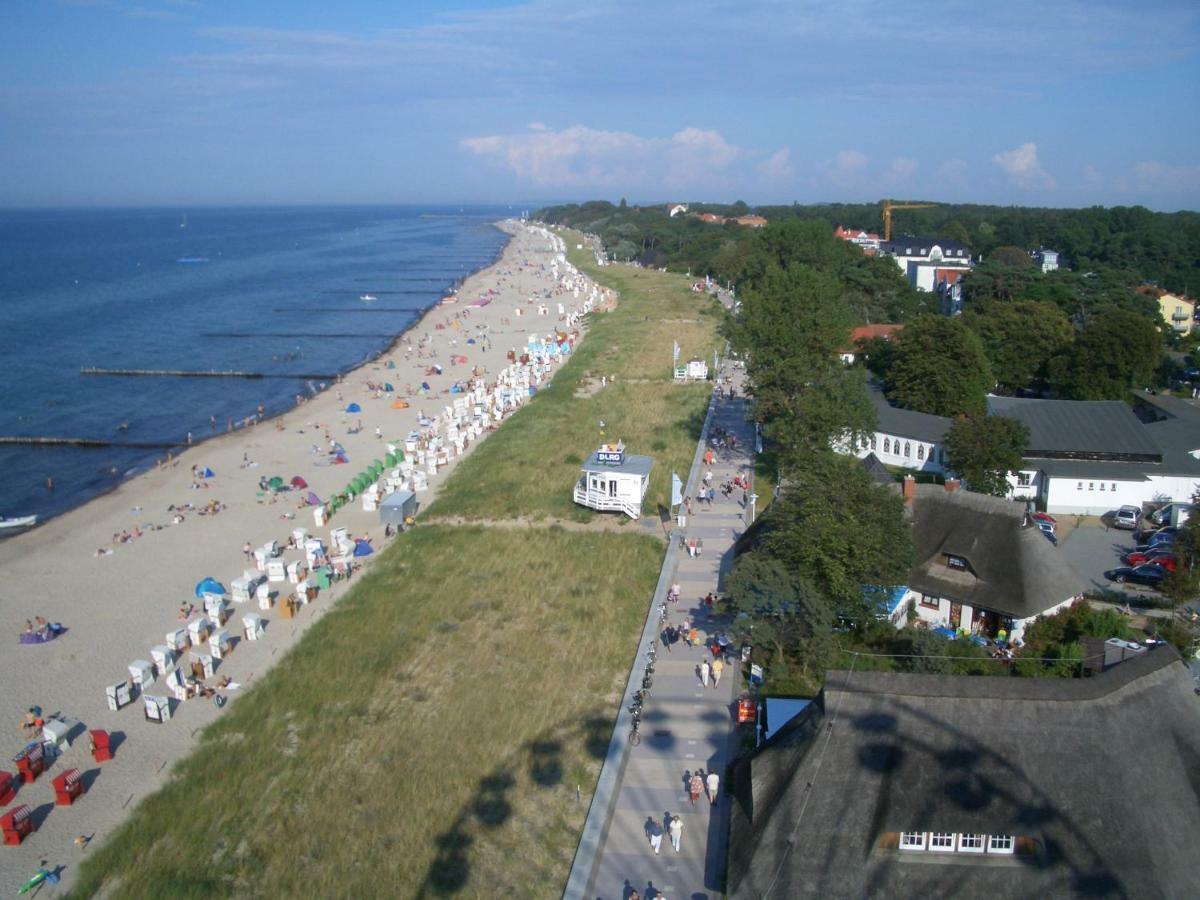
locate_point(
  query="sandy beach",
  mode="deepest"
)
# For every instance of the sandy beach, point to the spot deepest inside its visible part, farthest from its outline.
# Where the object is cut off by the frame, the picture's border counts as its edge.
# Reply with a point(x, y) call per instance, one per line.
point(118, 599)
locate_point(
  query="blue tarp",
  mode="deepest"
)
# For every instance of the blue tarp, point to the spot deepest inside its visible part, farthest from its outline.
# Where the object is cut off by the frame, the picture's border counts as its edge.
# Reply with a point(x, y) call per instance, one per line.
point(353, 407)
point(209, 586)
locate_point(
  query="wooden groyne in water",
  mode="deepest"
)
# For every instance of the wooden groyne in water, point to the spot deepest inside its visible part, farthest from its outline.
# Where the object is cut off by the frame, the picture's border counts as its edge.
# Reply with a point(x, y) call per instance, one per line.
point(38, 441)
point(180, 373)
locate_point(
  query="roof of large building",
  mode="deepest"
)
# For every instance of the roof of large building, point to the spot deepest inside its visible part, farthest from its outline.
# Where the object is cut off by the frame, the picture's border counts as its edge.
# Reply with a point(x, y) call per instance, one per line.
point(1084, 427)
point(905, 422)
point(905, 242)
point(1099, 776)
point(1011, 569)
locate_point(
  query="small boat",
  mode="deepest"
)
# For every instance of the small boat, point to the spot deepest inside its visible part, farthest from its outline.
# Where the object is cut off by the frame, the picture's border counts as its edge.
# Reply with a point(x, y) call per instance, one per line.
point(368, 298)
point(17, 522)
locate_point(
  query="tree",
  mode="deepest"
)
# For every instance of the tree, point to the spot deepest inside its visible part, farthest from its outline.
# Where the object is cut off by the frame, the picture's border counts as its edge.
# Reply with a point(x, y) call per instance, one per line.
point(984, 449)
point(1019, 338)
point(1011, 256)
point(833, 523)
point(1183, 585)
point(792, 324)
point(1117, 350)
point(939, 367)
point(787, 614)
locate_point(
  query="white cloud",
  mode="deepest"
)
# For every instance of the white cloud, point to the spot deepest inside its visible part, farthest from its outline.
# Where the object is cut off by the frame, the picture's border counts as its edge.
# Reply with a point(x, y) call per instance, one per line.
point(1157, 177)
point(778, 166)
point(580, 156)
point(850, 161)
point(1022, 167)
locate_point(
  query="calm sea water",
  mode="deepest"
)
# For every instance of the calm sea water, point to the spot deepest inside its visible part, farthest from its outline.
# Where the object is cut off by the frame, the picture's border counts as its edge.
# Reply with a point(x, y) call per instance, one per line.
point(264, 290)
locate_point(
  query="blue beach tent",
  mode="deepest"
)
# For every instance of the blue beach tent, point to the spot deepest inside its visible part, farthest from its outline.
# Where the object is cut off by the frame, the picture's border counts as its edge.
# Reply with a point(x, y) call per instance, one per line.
point(362, 548)
point(209, 586)
point(207, 473)
point(353, 407)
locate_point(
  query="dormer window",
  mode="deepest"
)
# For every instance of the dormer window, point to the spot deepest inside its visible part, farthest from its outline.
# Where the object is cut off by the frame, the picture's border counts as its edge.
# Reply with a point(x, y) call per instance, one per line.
point(956, 562)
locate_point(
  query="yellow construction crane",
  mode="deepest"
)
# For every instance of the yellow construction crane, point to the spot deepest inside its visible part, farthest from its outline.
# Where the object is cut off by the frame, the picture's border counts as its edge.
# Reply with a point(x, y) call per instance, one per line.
point(888, 206)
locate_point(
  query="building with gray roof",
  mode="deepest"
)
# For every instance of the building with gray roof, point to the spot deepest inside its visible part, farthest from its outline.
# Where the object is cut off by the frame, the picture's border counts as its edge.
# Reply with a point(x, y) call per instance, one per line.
point(904, 438)
point(904, 785)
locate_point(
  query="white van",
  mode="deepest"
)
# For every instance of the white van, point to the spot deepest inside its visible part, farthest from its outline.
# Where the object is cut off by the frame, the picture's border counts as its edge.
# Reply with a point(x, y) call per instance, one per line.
point(1171, 514)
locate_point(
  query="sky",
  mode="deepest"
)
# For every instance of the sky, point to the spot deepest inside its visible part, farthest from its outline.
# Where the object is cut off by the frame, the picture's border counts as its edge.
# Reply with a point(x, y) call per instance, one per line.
point(215, 102)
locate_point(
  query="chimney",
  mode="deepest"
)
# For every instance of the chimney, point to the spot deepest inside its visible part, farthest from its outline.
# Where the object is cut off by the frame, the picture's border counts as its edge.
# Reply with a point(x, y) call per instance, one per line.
point(910, 490)
point(951, 485)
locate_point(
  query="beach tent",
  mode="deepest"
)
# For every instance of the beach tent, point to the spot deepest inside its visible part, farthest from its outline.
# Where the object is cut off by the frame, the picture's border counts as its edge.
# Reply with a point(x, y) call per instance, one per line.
point(391, 364)
point(299, 483)
point(390, 459)
point(206, 472)
point(275, 483)
point(425, 386)
point(387, 386)
point(209, 586)
point(362, 548)
point(340, 460)
point(353, 407)
point(312, 499)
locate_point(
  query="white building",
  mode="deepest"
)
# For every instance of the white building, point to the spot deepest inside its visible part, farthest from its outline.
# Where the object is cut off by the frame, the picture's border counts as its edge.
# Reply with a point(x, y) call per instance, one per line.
point(613, 481)
point(920, 259)
point(1090, 457)
point(982, 569)
point(1046, 260)
point(911, 440)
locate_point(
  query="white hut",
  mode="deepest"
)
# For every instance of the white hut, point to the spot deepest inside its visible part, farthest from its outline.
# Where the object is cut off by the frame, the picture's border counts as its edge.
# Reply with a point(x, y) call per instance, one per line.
point(613, 480)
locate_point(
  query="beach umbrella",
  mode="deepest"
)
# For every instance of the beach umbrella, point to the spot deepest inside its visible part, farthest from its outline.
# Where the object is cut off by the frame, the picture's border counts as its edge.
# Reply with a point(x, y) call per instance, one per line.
point(299, 483)
point(390, 460)
point(275, 483)
point(340, 460)
point(353, 408)
point(377, 465)
point(209, 586)
point(313, 499)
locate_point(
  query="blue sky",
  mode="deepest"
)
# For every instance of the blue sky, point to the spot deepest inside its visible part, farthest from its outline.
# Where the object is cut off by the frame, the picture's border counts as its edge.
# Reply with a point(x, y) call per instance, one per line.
point(1049, 103)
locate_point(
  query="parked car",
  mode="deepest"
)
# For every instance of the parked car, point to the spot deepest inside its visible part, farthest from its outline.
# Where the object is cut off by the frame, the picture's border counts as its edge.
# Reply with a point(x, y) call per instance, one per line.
point(1149, 574)
point(1046, 517)
point(1048, 530)
point(1163, 556)
point(1171, 514)
point(1152, 535)
point(1128, 517)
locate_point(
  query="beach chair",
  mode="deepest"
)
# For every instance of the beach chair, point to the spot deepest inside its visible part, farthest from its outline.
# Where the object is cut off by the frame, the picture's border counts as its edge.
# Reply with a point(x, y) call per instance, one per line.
point(263, 593)
point(276, 570)
point(118, 695)
point(214, 608)
point(163, 658)
point(177, 686)
point(156, 709)
point(198, 631)
point(252, 626)
point(141, 673)
point(202, 665)
point(220, 644)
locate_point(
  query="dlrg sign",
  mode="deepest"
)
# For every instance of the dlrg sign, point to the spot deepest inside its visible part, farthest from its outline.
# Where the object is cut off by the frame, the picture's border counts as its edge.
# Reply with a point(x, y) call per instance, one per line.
point(613, 458)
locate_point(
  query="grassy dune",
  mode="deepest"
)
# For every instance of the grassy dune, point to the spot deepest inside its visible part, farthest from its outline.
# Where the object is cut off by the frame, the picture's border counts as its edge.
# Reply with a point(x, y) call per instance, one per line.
point(428, 735)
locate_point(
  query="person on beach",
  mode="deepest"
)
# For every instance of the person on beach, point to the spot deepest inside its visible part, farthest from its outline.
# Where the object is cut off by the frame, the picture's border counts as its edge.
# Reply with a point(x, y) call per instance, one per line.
point(695, 787)
point(32, 725)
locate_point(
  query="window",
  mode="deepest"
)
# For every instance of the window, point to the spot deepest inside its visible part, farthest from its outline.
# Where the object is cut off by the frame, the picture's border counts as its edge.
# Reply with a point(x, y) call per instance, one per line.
point(1091, 485)
point(907, 450)
point(921, 452)
point(908, 251)
point(1000, 843)
point(912, 840)
point(956, 562)
point(1102, 485)
point(930, 602)
point(970, 843)
point(1114, 485)
point(1024, 479)
point(1079, 485)
point(887, 445)
point(872, 442)
point(924, 251)
point(941, 841)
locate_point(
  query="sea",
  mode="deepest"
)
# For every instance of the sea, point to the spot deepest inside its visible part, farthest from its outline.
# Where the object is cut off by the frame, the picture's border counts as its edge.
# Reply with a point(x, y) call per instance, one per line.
point(296, 294)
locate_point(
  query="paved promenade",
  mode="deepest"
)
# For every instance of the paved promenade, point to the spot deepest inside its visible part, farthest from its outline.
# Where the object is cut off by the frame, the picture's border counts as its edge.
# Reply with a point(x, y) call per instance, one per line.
point(686, 726)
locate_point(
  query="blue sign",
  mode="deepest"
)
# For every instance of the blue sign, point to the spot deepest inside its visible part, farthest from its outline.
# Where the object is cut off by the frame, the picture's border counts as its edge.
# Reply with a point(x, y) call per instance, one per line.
point(609, 457)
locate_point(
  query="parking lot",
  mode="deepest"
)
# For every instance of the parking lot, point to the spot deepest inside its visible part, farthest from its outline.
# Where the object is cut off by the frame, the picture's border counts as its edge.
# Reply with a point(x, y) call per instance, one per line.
point(1092, 548)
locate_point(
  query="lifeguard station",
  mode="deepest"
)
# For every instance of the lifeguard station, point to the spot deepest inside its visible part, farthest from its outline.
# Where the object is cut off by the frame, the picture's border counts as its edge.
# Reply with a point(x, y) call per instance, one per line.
point(614, 481)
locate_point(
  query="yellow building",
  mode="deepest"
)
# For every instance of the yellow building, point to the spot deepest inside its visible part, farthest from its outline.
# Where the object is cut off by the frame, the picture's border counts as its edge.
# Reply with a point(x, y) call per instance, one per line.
point(1177, 310)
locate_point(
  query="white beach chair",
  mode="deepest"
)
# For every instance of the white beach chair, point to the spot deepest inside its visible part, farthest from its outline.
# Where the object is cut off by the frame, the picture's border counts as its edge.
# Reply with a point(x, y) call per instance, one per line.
point(252, 626)
point(141, 673)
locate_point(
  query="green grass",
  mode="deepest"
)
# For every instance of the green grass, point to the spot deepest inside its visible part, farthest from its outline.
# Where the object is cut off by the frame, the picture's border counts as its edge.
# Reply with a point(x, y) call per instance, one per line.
point(428, 734)
point(426, 737)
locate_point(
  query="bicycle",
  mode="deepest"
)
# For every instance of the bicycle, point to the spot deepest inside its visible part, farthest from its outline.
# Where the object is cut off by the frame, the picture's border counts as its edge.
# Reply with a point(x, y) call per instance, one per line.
point(635, 736)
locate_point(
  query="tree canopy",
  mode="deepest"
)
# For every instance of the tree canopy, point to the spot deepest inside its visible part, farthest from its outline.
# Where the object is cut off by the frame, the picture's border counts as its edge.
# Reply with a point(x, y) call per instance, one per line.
point(1019, 338)
point(984, 449)
point(938, 366)
point(1115, 351)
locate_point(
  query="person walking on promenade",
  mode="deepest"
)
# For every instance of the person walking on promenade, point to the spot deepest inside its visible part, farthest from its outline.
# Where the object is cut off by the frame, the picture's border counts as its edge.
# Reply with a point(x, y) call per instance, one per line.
point(676, 830)
point(655, 831)
point(694, 636)
point(713, 782)
point(717, 668)
point(695, 787)
point(704, 671)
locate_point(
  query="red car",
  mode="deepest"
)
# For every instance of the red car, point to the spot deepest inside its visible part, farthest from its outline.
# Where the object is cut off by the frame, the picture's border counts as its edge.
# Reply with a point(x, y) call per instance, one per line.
point(1164, 558)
